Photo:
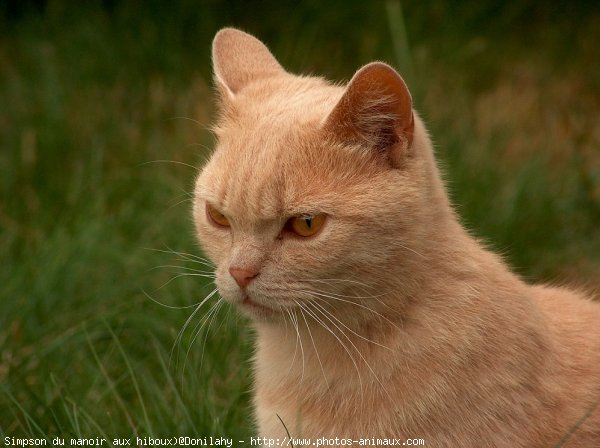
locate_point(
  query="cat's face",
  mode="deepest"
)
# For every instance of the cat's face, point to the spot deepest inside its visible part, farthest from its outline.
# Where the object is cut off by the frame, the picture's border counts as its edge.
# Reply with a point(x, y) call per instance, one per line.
point(309, 187)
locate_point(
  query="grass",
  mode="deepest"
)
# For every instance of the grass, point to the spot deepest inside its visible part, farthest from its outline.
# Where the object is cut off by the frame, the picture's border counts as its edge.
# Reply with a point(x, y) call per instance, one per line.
point(95, 98)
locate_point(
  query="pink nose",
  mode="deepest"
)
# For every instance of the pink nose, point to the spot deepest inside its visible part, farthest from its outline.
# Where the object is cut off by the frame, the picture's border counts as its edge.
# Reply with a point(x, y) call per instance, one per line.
point(242, 276)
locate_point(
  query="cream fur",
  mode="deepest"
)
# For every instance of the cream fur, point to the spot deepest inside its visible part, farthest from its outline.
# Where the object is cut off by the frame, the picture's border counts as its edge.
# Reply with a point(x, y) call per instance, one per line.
point(409, 327)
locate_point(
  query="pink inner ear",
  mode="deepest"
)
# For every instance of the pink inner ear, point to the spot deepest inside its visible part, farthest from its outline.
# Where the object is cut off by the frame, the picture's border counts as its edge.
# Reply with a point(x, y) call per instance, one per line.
point(375, 110)
point(239, 58)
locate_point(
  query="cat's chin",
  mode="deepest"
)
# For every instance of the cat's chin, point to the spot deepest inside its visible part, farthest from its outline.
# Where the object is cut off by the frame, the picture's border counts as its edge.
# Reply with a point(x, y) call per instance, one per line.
point(256, 310)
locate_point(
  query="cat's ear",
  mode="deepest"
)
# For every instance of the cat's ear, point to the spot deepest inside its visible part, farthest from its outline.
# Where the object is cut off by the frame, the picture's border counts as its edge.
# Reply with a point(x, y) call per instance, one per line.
point(238, 59)
point(375, 111)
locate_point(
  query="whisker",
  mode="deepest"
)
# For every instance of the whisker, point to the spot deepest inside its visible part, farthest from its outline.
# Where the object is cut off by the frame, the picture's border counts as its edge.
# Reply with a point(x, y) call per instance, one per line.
point(295, 345)
point(162, 266)
point(203, 146)
point(196, 274)
point(336, 280)
point(317, 354)
point(183, 274)
point(184, 255)
point(194, 256)
point(185, 193)
point(226, 316)
point(284, 319)
point(358, 351)
point(360, 305)
point(168, 161)
point(197, 330)
point(201, 263)
point(188, 119)
point(317, 304)
point(169, 306)
point(314, 316)
point(219, 305)
point(373, 296)
point(187, 322)
point(299, 340)
point(181, 202)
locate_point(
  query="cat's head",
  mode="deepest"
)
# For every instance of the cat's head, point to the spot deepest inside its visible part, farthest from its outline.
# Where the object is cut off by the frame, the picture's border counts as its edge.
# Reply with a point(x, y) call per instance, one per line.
point(315, 193)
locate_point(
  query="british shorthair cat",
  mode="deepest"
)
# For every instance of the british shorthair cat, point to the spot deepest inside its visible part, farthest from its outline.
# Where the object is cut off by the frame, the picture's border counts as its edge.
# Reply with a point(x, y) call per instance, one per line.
point(377, 315)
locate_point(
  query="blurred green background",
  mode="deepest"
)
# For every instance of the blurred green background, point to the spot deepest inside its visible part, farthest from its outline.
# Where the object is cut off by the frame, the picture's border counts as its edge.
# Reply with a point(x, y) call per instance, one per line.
point(103, 115)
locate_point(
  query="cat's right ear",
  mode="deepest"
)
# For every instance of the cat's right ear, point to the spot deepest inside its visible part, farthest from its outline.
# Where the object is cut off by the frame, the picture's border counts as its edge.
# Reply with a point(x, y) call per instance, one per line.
point(376, 113)
point(238, 59)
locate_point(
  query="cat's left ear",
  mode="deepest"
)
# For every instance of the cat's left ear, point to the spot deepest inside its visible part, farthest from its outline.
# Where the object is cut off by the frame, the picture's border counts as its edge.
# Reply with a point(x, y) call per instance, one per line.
point(240, 58)
point(375, 111)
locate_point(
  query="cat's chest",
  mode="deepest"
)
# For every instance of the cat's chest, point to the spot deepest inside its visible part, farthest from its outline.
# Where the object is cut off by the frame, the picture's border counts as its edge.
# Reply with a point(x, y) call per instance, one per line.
point(314, 408)
point(337, 395)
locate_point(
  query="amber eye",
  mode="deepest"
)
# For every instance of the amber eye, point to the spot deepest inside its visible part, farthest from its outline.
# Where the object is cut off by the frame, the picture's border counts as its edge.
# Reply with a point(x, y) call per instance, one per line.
point(216, 217)
point(306, 225)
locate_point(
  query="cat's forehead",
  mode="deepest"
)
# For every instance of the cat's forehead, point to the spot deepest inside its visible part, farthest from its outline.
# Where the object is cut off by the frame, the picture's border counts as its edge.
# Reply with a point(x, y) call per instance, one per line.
point(285, 105)
point(258, 179)
point(274, 123)
point(264, 177)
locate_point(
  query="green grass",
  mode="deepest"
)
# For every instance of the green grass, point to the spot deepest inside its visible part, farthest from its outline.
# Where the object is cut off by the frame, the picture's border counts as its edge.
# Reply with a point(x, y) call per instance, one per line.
point(94, 99)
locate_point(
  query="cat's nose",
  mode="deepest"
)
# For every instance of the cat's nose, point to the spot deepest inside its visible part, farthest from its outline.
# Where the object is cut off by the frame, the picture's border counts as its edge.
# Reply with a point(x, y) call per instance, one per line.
point(242, 276)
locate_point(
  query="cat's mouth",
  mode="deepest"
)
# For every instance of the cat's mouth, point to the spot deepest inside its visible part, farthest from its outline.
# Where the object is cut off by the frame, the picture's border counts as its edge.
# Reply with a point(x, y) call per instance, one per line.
point(255, 307)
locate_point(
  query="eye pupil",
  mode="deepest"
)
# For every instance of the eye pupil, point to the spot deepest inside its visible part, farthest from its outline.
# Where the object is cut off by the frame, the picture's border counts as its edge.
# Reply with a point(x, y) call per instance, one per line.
point(306, 224)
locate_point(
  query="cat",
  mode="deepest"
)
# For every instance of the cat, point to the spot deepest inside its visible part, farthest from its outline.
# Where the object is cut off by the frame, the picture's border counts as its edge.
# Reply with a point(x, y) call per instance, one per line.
point(376, 313)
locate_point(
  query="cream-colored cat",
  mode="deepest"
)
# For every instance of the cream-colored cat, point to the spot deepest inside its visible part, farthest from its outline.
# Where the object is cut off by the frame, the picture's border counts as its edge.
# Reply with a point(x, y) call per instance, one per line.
point(376, 313)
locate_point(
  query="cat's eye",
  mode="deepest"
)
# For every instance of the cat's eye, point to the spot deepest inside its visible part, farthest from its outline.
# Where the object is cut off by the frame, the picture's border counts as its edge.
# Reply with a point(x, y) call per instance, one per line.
point(216, 217)
point(306, 225)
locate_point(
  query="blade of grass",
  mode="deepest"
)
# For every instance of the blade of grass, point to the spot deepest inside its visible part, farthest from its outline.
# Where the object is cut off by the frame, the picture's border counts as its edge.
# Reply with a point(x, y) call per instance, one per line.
point(133, 378)
point(111, 385)
point(399, 35)
point(28, 418)
point(172, 385)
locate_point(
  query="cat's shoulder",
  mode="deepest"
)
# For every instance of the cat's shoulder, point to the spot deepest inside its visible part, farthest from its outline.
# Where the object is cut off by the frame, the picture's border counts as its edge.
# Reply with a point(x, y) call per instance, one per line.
point(568, 309)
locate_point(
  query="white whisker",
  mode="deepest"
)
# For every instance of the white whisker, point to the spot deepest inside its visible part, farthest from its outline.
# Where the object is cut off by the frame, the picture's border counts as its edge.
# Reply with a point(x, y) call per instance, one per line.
point(174, 266)
point(337, 280)
point(176, 162)
point(314, 316)
point(169, 306)
point(183, 274)
point(203, 126)
point(325, 314)
point(180, 202)
point(184, 255)
point(187, 322)
point(360, 305)
point(219, 305)
point(197, 330)
point(354, 296)
point(317, 304)
point(318, 357)
point(297, 339)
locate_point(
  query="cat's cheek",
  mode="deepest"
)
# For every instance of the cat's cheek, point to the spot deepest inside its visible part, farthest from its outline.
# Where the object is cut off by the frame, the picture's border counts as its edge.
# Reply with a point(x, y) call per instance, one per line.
point(226, 287)
point(325, 260)
point(215, 243)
